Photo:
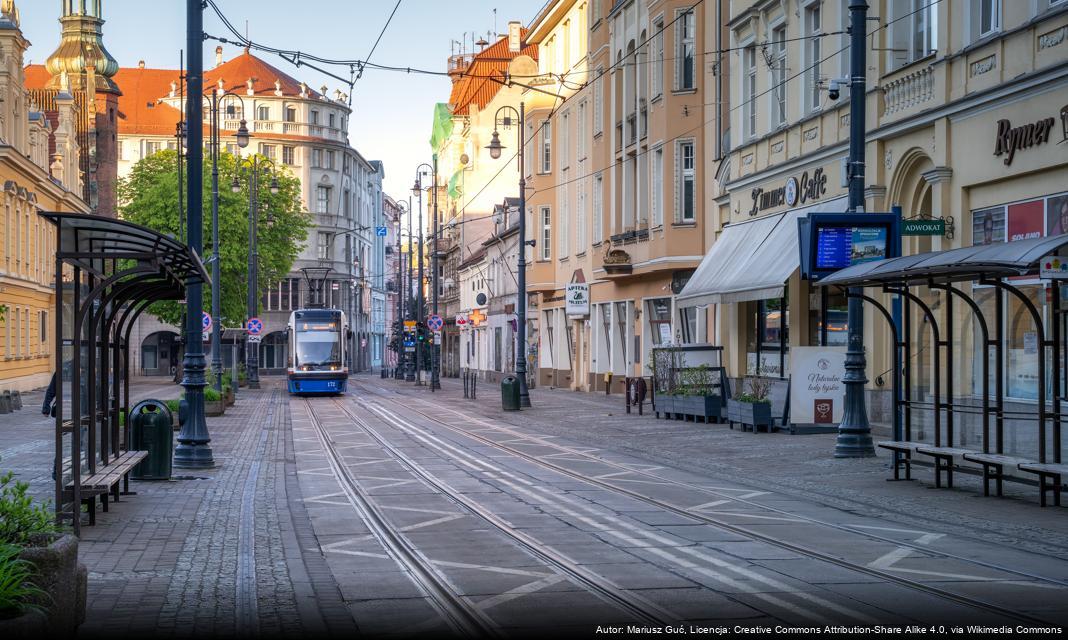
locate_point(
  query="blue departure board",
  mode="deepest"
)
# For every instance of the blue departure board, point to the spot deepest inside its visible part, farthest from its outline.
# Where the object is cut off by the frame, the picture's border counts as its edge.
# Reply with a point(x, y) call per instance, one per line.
point(834, 247)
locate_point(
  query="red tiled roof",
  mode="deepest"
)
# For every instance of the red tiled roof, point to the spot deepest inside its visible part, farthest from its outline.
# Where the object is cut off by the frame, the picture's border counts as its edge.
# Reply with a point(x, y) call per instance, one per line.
point(236, 72)
point(475, 86)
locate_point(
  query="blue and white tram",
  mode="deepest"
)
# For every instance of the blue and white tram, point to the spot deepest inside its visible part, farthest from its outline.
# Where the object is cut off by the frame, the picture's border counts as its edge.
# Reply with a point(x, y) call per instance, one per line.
point(318, 340)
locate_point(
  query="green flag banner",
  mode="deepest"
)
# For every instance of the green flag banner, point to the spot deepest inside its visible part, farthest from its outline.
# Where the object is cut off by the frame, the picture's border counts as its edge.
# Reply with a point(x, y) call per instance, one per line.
point(456, 190)
point(442, 125)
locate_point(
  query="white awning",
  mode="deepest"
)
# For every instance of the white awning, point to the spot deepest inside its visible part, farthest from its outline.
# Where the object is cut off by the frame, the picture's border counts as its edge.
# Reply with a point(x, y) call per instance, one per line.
point(752, 260)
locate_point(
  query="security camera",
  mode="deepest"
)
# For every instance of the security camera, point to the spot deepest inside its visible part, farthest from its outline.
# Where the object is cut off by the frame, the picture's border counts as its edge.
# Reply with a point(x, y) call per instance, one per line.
point(834, 87)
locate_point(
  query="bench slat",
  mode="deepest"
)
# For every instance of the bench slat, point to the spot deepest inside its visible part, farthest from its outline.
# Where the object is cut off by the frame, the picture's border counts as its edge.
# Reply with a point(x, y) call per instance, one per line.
point(994, 459)
point(942, 451)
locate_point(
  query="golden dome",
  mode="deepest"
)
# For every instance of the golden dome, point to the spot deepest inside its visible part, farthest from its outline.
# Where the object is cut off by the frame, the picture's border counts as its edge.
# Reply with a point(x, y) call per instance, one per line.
point(81, 49)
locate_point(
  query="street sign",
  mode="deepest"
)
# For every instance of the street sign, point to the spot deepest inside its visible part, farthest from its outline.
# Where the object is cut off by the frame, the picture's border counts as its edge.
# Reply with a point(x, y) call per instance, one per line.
point(254, 338)
point(206, 321)
point(409, 325)
point(461, 320)
point(254, 326)
point(1053, 268)
point(435, 323)
point(206, 336)
point(923, 227)
point(381, 232)
point(437, 337)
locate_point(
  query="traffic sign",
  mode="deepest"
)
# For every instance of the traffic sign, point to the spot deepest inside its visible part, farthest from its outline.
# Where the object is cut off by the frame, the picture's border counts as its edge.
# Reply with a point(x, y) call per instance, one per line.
point(254, 338)
point(254, 326)
point(206, 321)
point(435, 323)
point(206, 337)
point(381, 232)
point(409, 325)
point(437, 337)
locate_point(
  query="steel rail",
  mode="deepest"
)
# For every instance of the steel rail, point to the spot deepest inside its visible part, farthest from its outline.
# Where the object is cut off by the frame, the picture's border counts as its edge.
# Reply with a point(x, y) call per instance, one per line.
point(462, 617)
point(641, 608)
point(790, 546)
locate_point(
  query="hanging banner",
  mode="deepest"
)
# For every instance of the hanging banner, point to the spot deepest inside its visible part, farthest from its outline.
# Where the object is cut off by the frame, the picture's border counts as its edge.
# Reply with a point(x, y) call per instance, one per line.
point(817, 394)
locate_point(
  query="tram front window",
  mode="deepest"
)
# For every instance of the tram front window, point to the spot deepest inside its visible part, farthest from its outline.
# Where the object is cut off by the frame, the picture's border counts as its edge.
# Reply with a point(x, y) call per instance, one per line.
point(318, 350)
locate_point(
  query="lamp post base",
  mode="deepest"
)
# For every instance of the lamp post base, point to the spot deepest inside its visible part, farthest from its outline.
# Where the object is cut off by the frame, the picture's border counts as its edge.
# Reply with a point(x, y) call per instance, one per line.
point(854, 444)
point(193, 456)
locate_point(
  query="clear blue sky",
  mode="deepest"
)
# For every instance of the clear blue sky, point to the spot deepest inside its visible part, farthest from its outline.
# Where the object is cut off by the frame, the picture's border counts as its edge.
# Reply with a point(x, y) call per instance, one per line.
point(392, 111)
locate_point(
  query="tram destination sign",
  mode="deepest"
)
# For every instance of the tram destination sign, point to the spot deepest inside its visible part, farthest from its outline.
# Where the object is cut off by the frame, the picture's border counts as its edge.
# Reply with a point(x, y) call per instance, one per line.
point(923, 227)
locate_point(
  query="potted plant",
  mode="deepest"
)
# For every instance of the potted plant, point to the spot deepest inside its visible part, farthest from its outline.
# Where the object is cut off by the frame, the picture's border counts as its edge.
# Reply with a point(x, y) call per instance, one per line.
point(752, 408)
point(695, 395)
point(42, 574)
point(213, 402)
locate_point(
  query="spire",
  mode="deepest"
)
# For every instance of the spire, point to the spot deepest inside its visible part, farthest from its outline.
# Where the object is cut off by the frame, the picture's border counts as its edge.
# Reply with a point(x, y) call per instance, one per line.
point(81, 49)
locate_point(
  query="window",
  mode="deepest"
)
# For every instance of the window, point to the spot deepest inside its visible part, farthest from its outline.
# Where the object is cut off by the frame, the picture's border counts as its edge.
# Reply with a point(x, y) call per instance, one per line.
point(659, 313)
point(322, 199)
point(314, 117)
point(685, 36)
point(546, 233)
point(913, 31)
point(323, 246)
point(268, 150)
point(263, 112)
point(580, 222)
point(658, 59)
point(598, 207)
point(289, 156)
point(546, 146)
point(595, 11)
point(778, 77)
point(565, 140)
point(317, 158)
point(330, 157)
point(621, 323)
point(151, 147)
point(564, 217)
point(657, 188)
point(332, 120)
point(749, 91)
point(813, 55)
point(42, 324)
point(122, 155)
point(580, 133)
point(291, 114)
point(686, 176)
point(598, 101)
point(988, 14)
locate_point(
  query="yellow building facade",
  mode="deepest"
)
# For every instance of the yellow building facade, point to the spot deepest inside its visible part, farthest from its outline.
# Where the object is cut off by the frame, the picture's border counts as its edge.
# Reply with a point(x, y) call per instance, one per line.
point(39, 171)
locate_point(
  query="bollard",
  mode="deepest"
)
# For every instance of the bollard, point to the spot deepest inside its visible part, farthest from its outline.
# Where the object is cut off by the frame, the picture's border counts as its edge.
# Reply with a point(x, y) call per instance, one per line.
point(465, 384)
point(16, 400)
point(474, 385)
point(5, 402)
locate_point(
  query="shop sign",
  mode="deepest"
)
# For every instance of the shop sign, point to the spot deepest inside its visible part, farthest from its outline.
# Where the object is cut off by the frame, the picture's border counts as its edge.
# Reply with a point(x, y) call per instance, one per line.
point(1010, 139)
point(768, 364)
point(817, 393)
point(923, 227)
point(577, 299)
point(793, 191)
point(1053, 268)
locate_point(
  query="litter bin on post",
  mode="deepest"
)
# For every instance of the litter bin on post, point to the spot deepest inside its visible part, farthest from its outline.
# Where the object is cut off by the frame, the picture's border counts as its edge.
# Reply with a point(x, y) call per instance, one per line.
point(510, 393)
point(152, 431)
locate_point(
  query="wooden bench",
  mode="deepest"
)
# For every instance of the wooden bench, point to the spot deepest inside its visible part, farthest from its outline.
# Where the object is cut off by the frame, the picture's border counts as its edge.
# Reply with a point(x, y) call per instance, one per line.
point(1049, 478)
point(993, 467)
point(905, 460)
point(943, 457)
point(106, 481)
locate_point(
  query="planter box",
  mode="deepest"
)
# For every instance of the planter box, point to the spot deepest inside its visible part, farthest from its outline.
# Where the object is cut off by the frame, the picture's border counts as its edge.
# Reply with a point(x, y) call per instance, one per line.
point(230, 397)
point(214, 409)
point(31, 625)
point(704, 407)
point(749, 414)
point(59, 574)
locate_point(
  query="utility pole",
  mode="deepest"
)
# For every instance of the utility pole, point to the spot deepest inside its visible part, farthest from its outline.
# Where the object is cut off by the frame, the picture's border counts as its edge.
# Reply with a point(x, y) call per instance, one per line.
point(410, 359)
point(397, 372)
point(252, 356)
point(435, 350)
point(193, 450)
point(854, 432)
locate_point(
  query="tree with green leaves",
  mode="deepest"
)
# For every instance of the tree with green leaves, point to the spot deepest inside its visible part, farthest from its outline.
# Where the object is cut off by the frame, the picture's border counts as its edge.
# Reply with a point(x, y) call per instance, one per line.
point(149, 197)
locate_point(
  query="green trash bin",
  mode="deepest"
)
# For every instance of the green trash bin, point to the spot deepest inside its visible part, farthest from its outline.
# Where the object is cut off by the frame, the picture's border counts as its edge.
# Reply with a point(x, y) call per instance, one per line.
point(510, 393)
point(152, 426)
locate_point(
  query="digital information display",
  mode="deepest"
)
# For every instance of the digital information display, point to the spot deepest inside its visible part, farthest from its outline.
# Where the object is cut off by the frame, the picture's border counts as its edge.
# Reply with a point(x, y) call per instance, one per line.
point(841, 247)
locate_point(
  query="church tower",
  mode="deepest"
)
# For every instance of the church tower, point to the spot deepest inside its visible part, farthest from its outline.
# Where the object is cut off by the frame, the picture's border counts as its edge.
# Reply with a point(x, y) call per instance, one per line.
point(82, 67)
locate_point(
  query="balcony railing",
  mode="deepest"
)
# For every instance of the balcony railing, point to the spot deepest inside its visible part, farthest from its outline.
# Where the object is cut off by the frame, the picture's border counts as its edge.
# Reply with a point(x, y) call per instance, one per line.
point(908, 91)
point(289, 128)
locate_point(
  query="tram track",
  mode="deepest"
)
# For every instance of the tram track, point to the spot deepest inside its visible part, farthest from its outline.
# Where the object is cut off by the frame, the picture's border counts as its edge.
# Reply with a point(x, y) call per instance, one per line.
point(803, 550)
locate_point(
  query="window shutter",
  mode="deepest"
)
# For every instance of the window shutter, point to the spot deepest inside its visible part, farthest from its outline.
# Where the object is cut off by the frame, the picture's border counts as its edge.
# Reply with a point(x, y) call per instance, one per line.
point(676, 197)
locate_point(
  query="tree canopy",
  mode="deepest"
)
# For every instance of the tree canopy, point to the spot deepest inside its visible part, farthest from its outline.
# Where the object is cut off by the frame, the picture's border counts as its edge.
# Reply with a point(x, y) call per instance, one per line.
point(149, 197)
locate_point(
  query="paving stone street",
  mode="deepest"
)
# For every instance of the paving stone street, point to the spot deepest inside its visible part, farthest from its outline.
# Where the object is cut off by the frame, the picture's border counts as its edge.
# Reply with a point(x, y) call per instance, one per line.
point(392, 510)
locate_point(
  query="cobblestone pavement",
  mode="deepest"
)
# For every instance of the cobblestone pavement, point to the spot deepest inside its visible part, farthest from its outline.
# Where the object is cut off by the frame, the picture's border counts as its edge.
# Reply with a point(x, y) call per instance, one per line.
point(220, 552)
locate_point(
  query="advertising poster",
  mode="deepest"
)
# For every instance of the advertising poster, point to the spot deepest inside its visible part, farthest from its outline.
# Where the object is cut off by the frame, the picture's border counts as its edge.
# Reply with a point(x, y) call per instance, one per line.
point(869, 244)
point(1026, 220)
point(1057, 215)
point(817, 394)
point(988, 226)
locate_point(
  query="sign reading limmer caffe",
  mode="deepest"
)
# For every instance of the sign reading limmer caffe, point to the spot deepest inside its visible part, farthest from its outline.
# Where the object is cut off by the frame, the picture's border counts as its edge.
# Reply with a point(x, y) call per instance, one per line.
point(807, 188)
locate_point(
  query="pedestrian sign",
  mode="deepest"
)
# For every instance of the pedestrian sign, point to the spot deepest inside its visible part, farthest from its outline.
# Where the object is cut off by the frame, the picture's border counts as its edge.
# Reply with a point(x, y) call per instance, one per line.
point(381, 232)
point(254, 326)
point(435, 323)
point(206, 321)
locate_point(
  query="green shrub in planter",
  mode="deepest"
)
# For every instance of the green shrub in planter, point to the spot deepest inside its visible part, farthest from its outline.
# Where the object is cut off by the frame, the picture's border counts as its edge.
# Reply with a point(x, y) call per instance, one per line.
point(172, 405)
point(18, 594)
point(21, 520)
point(211, 395)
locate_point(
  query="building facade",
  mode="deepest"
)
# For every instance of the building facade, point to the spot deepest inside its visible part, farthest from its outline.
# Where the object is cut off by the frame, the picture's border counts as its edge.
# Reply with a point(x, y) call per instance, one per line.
point(40, 170)
point(967, 122)
point(304, 132)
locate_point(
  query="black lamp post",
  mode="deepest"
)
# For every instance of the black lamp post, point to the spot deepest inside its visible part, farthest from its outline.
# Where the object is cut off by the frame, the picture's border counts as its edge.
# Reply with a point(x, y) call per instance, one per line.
point(214, 103)
point(194, 450)
point(412, 308)
point(420, 310)
point(252, 356)
point(495, 148)
point(402, 355)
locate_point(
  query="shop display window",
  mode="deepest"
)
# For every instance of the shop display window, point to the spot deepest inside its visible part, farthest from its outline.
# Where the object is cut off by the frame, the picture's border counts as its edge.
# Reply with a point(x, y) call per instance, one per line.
point(659, 314)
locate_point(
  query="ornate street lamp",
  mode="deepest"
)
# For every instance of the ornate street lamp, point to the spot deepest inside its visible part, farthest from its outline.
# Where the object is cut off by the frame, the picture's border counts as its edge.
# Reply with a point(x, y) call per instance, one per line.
point(495, 148)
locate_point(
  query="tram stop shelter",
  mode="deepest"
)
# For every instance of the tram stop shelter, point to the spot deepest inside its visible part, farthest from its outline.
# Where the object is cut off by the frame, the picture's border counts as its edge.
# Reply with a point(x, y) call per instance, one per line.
point(107, 272)
point(940, 314)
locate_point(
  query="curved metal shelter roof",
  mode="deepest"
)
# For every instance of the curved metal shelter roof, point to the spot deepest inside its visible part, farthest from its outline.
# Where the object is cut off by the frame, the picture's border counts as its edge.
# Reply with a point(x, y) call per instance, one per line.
point(93, 242)
point(1002, 260)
